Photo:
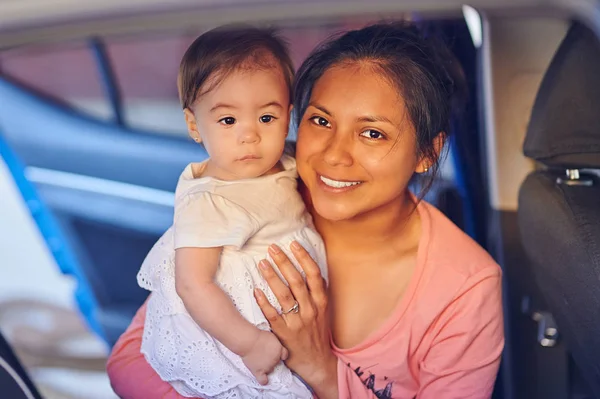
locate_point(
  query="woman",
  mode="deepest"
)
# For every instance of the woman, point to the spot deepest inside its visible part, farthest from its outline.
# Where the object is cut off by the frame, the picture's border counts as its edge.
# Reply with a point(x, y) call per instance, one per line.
point(413, 306)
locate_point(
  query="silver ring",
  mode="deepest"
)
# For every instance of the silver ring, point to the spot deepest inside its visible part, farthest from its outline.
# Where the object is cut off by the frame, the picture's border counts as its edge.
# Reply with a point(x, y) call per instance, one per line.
point(293, 309)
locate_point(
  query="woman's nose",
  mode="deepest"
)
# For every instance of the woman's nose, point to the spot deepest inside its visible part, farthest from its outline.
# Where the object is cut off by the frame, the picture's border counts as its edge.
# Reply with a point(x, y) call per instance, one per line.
point(337, 152)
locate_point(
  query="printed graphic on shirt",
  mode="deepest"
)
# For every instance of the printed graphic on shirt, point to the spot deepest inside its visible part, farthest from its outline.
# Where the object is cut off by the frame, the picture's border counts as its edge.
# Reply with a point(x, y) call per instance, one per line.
point(383, 393)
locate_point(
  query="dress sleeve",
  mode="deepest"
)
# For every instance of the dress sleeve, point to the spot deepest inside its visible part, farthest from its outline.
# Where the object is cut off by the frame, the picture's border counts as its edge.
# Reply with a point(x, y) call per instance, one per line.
point(465, 355)
point(204, 220)
point(131, 377)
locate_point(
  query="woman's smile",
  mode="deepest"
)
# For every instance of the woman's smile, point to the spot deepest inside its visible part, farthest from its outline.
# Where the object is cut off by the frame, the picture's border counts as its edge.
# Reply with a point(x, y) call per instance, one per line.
point(335, 185)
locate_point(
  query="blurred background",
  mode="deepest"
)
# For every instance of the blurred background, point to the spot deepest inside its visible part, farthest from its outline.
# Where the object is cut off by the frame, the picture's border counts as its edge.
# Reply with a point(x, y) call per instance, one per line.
point(92, 141)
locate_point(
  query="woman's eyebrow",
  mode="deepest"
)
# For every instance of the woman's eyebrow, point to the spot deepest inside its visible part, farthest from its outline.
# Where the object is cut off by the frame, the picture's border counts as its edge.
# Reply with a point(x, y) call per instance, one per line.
point(320, 108)
point(374, 118)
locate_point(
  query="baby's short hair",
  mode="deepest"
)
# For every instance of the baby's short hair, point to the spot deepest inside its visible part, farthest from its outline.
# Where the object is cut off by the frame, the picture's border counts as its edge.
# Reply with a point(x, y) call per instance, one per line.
point(220, 51)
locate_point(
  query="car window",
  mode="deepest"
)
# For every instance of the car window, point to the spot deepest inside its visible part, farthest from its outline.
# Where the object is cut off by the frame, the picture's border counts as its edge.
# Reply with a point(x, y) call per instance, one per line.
point(66, 72)
point(144, 67)
point(146, 70)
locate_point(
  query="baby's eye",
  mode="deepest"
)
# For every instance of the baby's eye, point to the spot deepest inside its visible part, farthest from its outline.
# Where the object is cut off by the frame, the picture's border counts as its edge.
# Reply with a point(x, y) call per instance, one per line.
point(319, 120)
point(229, 120)
point(267, 118)
point(372, 134)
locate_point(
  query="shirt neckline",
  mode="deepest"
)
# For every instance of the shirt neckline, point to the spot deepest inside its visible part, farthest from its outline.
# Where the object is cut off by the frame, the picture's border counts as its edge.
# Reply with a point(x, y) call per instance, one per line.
point(404, 303)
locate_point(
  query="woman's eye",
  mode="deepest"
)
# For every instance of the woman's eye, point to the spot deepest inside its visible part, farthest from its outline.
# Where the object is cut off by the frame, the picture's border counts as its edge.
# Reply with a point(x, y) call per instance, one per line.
point(227, 121)
point(372, 134)
point(267, 118)
point(319, 120)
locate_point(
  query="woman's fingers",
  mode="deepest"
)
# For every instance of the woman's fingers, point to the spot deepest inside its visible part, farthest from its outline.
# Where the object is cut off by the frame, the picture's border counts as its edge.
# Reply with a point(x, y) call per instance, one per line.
point(297, 285)
point(314, 279)
point(282, 292)
point(270, 313)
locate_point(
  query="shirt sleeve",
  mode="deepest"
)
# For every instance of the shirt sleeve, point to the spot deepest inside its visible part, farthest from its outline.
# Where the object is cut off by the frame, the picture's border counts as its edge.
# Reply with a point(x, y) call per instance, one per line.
point(205, 220)
point(130, 375)
point(465, 354)
point(350, 385)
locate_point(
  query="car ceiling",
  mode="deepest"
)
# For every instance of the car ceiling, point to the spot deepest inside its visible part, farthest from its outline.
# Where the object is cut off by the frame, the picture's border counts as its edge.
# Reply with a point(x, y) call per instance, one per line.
point(30, 21)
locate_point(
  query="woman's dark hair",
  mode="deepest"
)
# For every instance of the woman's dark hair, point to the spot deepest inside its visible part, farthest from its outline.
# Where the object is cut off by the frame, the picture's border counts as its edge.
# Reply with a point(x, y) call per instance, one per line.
point(421, 68)
point(218, 52)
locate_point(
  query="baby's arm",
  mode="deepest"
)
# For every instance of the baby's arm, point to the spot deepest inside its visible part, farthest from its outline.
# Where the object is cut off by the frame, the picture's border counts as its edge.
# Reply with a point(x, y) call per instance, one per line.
point(212, 309)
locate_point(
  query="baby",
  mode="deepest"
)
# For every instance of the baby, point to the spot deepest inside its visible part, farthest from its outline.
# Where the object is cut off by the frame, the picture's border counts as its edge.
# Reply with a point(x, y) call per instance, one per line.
point(204, 332)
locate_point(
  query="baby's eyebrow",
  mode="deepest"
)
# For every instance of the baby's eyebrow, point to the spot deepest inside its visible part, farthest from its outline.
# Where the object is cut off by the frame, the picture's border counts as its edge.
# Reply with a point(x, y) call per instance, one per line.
point(229, 106)
point(272, 104)
point(222, 105)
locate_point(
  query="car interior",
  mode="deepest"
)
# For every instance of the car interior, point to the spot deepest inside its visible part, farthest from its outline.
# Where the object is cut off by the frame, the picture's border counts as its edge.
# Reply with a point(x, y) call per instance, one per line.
point(92, 135)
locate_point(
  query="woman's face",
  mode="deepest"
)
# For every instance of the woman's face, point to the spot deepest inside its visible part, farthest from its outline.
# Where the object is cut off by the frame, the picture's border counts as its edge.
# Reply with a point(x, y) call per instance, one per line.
point(356, 149)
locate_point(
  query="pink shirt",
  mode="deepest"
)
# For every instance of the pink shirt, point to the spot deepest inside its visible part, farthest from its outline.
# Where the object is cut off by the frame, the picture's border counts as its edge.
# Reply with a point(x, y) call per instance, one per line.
point(445, 338)
point(443, 341)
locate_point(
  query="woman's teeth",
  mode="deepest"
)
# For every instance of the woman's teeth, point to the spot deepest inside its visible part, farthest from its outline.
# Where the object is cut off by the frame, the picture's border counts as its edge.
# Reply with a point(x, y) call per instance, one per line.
point(338, 184)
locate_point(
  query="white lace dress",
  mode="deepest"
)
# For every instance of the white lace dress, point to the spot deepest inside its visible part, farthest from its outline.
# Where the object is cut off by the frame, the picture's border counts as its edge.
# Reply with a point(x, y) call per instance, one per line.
point(244, 217)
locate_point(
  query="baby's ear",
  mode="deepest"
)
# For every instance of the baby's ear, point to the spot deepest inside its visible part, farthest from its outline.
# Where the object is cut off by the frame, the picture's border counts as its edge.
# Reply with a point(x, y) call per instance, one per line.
point(192, 127)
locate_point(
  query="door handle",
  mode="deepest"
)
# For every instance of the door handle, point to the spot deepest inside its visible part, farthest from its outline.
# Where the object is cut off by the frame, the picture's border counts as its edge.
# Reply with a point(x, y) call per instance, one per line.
point(547, 332)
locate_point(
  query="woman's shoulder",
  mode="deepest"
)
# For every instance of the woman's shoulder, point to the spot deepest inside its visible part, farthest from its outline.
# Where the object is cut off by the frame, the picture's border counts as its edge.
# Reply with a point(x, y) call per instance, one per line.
point(452, 251)
point(455, 273)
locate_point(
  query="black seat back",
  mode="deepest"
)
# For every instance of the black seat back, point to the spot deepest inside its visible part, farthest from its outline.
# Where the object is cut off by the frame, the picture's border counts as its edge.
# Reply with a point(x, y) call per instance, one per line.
point(559, 205)
point(14, 382)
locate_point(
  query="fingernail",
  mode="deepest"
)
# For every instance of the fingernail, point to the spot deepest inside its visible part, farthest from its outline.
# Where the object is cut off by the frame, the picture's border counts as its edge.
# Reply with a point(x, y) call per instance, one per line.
point(263, 265)
point(257, 293)
point(274, 249)
point(295, 245)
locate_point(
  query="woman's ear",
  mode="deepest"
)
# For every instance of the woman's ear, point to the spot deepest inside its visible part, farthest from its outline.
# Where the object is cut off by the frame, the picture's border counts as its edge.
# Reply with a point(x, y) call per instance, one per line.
point(426, 163)
point(192, 127)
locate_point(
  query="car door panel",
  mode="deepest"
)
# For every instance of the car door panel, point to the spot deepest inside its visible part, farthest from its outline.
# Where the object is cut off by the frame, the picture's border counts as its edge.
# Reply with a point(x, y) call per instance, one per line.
point(109, 188)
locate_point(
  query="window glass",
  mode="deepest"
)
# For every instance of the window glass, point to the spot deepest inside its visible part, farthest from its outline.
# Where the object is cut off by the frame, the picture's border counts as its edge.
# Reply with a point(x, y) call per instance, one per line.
point(66, 72)
point(146, 68)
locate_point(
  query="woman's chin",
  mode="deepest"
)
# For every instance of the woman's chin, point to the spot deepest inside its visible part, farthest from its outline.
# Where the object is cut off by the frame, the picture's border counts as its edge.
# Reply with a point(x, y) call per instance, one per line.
point(333, 212)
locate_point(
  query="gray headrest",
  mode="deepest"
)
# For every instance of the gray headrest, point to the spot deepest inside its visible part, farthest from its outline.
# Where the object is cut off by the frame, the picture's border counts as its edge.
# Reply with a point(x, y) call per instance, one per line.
point(564, 130)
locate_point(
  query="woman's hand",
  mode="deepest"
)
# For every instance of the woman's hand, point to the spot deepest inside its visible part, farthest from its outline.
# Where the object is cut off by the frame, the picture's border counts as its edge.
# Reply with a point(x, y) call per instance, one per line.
point(302, 329)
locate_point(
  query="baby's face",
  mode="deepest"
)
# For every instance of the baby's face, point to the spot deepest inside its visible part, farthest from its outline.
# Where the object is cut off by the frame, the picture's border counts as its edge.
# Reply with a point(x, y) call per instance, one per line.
point(243, 123)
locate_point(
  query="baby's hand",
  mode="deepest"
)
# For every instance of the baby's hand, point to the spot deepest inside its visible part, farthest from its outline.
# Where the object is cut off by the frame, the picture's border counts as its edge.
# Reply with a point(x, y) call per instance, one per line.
point(264, 355)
